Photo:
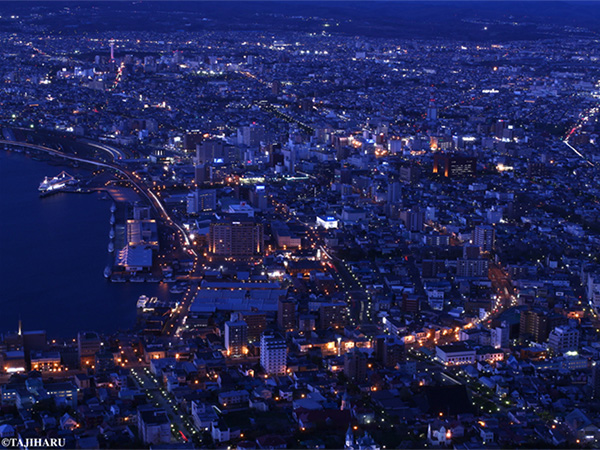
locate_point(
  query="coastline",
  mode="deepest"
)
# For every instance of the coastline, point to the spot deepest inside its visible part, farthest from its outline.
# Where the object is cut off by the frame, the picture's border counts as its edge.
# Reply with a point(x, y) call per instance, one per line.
point(72, 217)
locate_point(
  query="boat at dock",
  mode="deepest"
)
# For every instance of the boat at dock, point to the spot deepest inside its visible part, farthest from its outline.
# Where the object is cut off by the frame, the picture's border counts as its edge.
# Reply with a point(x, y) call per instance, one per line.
point(58, 182)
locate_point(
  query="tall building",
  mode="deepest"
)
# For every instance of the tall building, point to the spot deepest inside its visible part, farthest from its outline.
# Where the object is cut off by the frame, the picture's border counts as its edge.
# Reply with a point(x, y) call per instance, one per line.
point(332, 315)
point(236, 336)
point(258, 198)
point(355, 365)
point(201, 173)
point(394, 192)
point(535, 324)
point(276, 87)
point(454, 166)
point(251, 136)
point(563, 339)
point(410, 174)
point(432, 112)
point(413, 219)
point(273, 354)
point(500, 336)
point(212, 151)
point(472, 268)
point(191, 203)
point(206, 199)
point(595, 381)
point(237, 238)
point(154, 426)
point(286, 314)
point(88, 344)
point(484, 237)
point(190, 140)
point(257, 323)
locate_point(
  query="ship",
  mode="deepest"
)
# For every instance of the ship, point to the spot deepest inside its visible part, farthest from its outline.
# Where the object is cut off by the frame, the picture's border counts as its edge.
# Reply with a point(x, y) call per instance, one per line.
point(60, 181)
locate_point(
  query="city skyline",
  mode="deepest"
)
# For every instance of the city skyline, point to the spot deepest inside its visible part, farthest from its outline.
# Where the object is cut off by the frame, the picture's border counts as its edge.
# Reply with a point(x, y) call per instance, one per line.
point(259, 225)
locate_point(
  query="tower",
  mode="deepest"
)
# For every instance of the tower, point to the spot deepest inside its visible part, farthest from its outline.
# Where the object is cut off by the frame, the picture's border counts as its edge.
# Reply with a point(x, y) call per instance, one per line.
point(349, 438)
point(346, 402)
point(432, 111)
point(112, 50)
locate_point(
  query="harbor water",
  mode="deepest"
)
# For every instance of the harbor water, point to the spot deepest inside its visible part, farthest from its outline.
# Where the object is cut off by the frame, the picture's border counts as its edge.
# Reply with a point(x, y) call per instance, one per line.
point(53, 252)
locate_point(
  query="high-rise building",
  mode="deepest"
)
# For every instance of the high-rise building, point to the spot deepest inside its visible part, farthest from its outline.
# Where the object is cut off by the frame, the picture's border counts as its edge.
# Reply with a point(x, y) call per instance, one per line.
point(355, 365)
point(276, 87)
point(88, 344)
point(236, 336)
point(236, 237)
point(389, 350)
point(257, 323)
point(595, 381)
point(453, 166)
point(154, 426)
point(190, 140)
point(563, 339)
point(472, 268)
point(207, 199)
point(484, 237)
point(394, 192)
point(413, 219)
point(500, 336)
point(410, 174)
point(286, 314)
point(251, 136)
point(191, 203)
point(258, 198)
point(535, 324)
point(212, 151)
point(432, 111)
point(201, 173)
point(332, 315)
point(273, 354)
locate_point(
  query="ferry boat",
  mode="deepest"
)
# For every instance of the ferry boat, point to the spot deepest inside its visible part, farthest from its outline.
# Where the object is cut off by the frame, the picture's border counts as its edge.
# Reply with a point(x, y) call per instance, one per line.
point(58, 182)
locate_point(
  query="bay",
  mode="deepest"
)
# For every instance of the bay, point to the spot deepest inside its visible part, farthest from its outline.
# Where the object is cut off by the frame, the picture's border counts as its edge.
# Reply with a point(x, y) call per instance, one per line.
point(53, 251)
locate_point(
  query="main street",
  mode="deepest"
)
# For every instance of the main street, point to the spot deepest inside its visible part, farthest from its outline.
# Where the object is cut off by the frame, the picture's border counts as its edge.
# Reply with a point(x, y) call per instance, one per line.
point(159, 398)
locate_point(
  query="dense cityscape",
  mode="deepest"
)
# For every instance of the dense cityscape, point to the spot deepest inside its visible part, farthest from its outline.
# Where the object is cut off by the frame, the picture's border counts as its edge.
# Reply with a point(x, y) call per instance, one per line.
point(345, 235)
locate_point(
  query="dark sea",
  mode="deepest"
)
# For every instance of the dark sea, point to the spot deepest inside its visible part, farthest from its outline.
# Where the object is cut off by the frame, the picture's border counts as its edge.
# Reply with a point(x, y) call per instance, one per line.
point(53, 252)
